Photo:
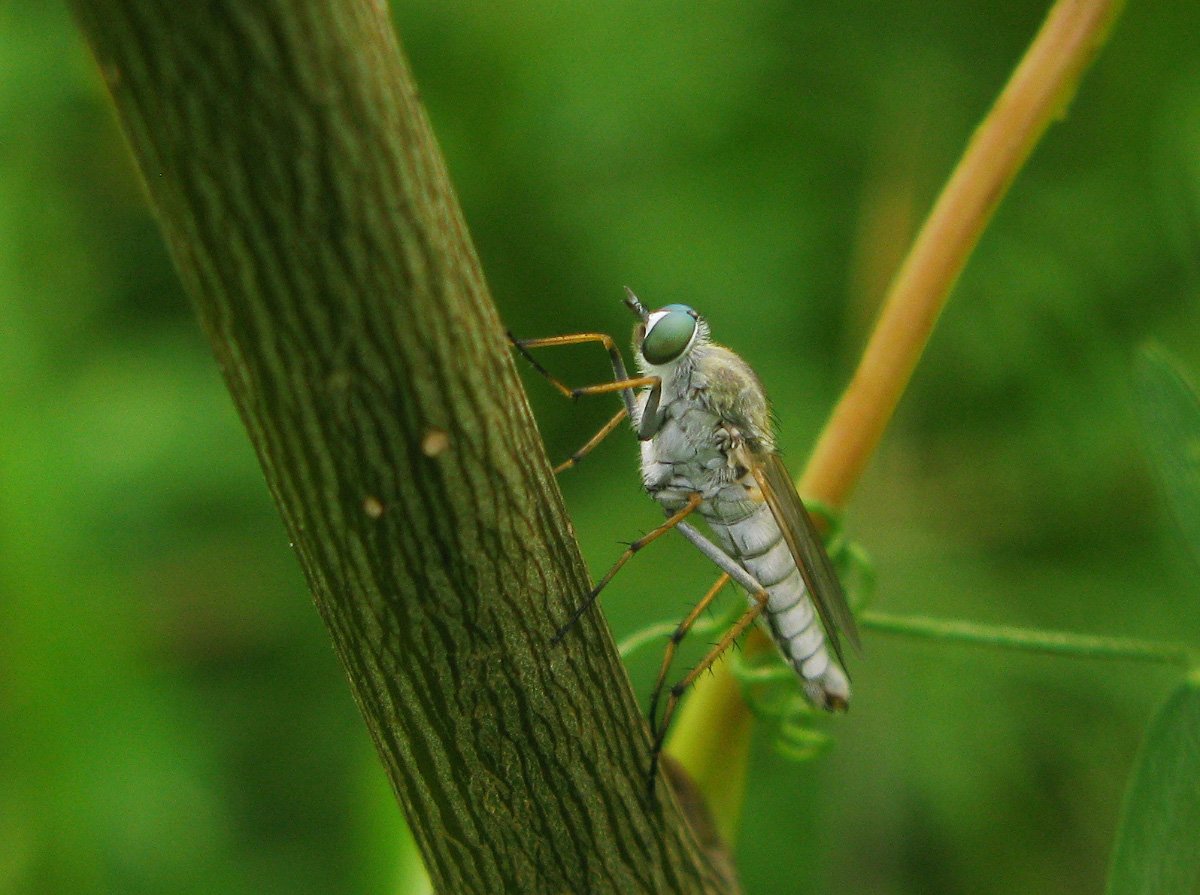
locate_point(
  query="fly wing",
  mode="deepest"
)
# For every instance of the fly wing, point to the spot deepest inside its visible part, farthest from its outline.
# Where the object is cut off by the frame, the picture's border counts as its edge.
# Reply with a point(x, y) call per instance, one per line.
point(807, 549)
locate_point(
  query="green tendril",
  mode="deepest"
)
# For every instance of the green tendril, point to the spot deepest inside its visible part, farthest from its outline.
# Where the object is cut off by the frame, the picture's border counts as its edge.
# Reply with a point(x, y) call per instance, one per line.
point(661, 631)
point(1061, 643)
point(769, 689)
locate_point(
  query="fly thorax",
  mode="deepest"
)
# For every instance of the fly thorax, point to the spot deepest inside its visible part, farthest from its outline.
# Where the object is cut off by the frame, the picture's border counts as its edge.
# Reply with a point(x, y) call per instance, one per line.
point(683, 457)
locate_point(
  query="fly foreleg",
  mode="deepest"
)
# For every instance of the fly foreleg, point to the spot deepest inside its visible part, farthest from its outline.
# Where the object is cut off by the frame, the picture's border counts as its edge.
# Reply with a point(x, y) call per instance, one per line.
point(674, 520)
point(622, 383)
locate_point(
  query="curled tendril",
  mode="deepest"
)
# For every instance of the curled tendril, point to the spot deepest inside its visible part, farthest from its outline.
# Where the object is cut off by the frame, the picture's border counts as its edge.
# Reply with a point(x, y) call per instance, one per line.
point(830, 515)
point(770, 690)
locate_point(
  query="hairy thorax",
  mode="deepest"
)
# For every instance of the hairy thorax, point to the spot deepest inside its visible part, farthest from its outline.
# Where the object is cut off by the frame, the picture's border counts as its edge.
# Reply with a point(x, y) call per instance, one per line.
point(696, 451)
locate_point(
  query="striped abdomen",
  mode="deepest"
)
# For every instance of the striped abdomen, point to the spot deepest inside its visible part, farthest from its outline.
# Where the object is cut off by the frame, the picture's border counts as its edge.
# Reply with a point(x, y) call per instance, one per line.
point(756, 542)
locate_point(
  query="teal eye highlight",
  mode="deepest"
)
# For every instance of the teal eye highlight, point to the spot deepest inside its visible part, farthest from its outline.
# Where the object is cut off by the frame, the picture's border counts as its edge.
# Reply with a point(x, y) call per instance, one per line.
point(669, 331)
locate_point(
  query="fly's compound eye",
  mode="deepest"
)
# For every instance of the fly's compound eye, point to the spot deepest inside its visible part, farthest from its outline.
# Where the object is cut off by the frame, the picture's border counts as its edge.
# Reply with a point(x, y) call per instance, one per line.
point(669, 331)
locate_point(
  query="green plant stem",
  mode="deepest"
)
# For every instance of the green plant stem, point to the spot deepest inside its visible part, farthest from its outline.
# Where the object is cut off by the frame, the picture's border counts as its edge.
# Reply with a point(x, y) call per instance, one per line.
point(661, 631)
point(1059, 643)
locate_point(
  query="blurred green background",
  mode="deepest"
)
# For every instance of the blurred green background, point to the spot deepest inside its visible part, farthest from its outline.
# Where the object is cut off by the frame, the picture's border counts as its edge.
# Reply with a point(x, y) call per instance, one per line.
point(172, 718)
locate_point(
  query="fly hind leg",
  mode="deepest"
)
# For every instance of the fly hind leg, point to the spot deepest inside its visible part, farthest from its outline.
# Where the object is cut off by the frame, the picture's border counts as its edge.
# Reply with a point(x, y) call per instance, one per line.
point(676, 692)
point(681, 631)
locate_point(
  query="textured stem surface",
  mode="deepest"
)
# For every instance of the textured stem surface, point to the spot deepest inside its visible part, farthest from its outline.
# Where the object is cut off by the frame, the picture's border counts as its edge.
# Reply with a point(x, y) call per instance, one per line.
point(307, 209)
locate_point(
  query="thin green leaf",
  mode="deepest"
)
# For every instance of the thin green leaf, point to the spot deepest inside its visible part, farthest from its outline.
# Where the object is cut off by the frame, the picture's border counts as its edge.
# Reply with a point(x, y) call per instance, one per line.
point(1158, 847)
point(1170, 412)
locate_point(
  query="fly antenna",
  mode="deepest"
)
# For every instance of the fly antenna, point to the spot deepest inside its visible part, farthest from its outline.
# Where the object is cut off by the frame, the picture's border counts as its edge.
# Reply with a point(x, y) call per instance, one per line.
point(631, 302)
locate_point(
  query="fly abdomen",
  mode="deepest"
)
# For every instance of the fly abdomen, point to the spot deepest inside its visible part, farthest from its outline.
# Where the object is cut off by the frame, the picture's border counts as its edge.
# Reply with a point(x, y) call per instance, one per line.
point(759, 546)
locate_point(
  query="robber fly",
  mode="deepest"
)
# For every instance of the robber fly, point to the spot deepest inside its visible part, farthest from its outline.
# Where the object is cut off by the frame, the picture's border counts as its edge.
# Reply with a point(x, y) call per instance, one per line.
point(707, 447)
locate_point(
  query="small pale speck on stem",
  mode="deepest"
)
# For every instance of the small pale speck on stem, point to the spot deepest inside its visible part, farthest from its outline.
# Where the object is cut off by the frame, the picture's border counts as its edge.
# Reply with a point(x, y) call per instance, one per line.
point(434, 442)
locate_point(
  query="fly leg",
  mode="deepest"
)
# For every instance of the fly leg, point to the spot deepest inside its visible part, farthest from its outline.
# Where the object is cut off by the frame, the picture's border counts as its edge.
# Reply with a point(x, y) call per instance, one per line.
point(622, 383)
point(673, 644)
point(606, 430)
point(674, 520)
point(731, 569)
point(677, 690)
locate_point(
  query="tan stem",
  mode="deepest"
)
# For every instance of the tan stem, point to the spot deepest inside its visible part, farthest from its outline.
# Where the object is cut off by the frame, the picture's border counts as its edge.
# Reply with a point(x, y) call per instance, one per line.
point(1037, 93)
